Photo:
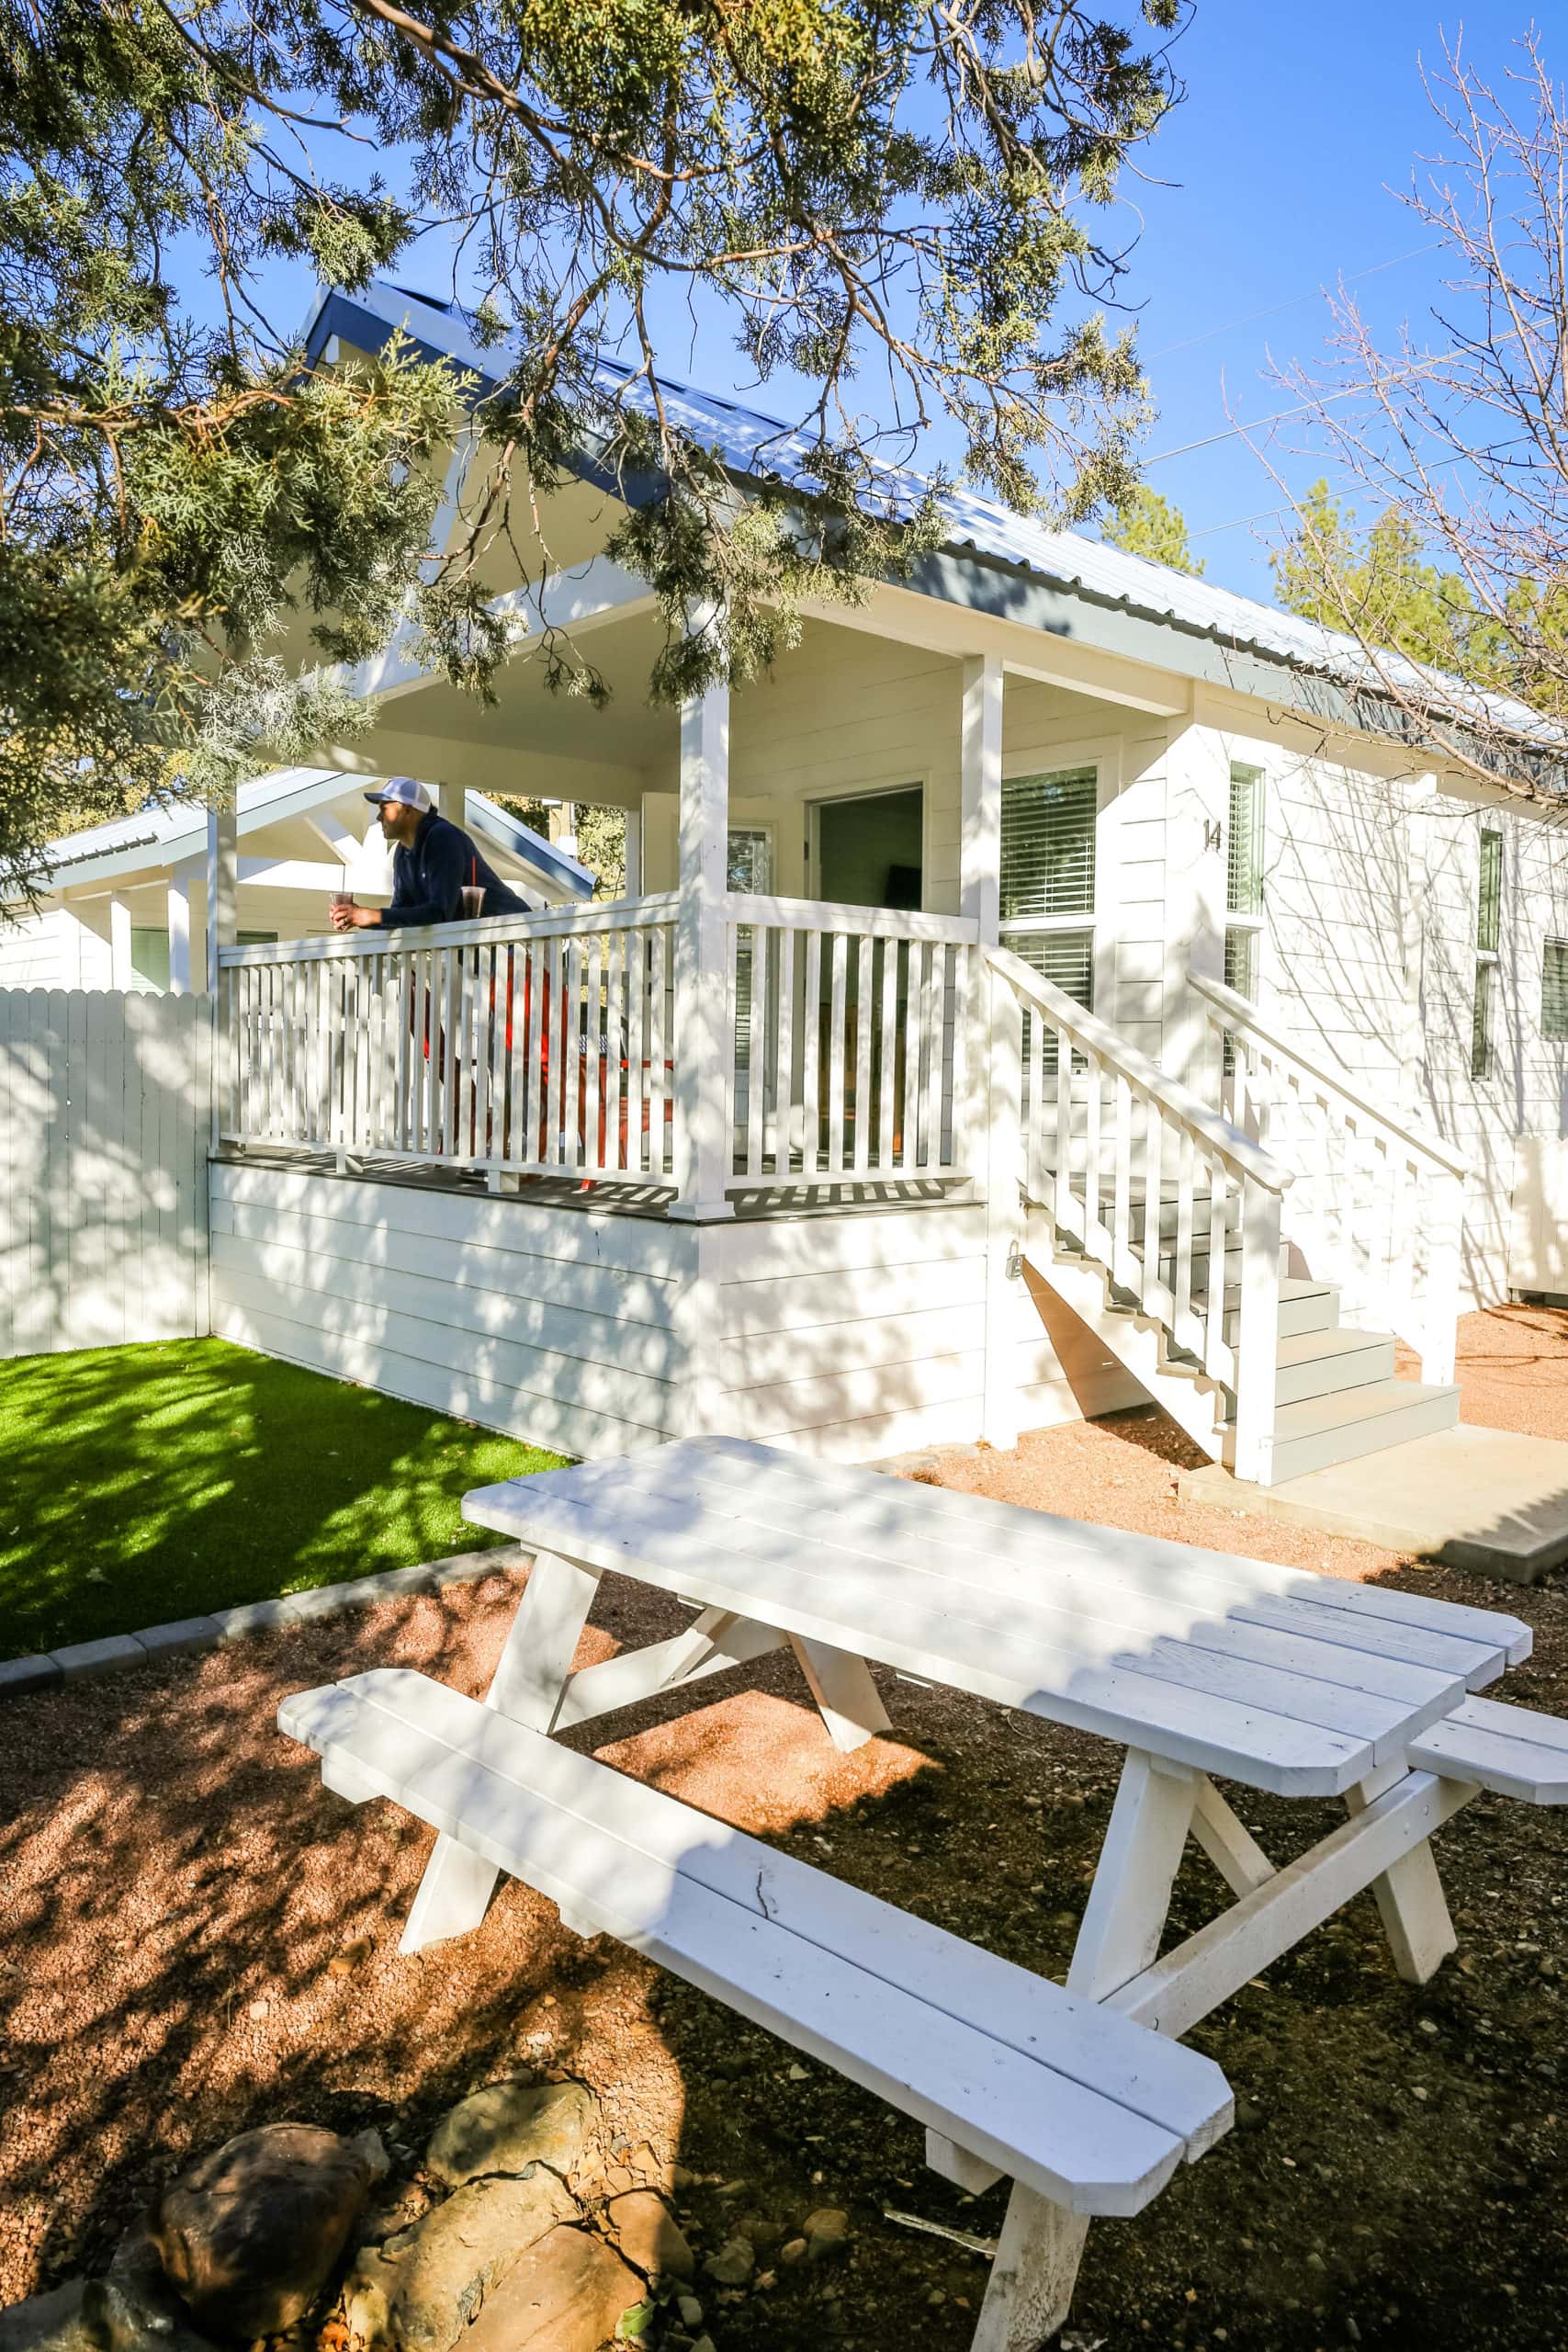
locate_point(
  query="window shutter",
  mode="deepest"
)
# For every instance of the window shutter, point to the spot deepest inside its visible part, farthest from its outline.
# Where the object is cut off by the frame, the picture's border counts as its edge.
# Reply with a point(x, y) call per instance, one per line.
point(1489, 910)
point(1048, 845)
point(1243, 873)
point(1555, 989)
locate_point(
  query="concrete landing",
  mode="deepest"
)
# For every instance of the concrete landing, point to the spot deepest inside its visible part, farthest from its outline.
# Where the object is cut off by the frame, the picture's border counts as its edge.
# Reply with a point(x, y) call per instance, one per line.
point(1487, 1499)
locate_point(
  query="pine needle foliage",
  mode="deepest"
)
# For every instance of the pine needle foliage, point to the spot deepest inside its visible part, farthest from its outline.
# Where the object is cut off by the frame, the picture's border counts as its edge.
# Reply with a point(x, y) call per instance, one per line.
point(904, 212)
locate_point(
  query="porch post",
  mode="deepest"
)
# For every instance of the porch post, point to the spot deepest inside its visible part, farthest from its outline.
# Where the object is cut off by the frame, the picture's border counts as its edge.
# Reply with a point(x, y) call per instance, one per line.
point(995, 1017)
point(119, 943)
point(634, 853)
point(179, 933)
point(222, 922)
point(703, 1048)
point(980, 840)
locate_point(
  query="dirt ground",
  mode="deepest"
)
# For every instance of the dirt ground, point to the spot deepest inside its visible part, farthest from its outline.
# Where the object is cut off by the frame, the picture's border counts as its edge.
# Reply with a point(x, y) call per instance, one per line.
point(173, 1882)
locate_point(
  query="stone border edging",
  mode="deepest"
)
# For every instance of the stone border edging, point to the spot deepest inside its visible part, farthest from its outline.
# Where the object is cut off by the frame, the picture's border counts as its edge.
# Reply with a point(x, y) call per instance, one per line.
point(50, 1669)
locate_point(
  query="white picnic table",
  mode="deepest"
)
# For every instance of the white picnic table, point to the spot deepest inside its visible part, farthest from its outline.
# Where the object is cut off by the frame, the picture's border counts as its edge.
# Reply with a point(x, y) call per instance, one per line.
point(1196, 1664)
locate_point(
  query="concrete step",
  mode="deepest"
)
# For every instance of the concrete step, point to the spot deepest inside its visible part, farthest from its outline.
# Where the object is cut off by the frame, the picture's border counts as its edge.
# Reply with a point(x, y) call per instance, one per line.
point(1324, 1363)
point(1322, 1431)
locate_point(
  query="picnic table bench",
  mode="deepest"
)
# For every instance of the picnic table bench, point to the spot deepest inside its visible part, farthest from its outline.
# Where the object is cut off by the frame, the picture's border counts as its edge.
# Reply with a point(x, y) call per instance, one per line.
point(1197, 1664)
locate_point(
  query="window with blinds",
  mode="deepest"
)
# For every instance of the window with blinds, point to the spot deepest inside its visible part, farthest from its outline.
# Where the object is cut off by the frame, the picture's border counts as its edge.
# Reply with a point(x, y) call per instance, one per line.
point(1554, 988)
point(1047, 875)
point(1244, 871)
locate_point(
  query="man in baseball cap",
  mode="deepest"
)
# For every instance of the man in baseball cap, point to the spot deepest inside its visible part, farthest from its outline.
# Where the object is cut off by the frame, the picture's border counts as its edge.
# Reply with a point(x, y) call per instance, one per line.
point(433, 864)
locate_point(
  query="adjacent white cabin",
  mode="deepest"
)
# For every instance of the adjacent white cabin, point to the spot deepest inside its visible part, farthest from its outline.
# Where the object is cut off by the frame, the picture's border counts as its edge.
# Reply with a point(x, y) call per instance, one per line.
point(1045, 991)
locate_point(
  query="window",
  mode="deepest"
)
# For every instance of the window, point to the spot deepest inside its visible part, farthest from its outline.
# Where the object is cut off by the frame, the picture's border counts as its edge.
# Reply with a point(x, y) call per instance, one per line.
point(750, 864)
point(1554, 988)
point(1244, 867)
point(1047, 879)
point(148, 958)
point(1488, 932)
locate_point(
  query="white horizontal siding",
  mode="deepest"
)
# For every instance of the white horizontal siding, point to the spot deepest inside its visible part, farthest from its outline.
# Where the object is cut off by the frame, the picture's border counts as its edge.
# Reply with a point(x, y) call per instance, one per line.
point(557, 1326)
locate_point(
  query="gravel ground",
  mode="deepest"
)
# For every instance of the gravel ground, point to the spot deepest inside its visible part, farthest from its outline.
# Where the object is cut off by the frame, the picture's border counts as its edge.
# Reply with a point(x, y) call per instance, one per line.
point(175, 1884)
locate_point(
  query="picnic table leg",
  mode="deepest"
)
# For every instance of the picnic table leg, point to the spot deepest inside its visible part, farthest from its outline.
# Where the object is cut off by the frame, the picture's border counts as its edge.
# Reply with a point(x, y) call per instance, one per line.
point(530, 1677)
point(1410, 1899)
point(1126, 1914)
point(1032, 2278)
point(846, 1696)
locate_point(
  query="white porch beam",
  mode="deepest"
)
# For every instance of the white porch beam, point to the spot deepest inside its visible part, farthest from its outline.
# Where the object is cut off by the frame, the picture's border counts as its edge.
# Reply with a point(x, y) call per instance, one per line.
point(333, 834)
point(119, 942)
point(179, 933)
point(980, 840)
point(702, 1049)
point(288, 874)
point(910, 618)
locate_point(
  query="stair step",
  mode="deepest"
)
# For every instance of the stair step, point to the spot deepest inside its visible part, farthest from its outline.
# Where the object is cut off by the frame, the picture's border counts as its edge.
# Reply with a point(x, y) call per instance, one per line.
point(1325, 1363)
point(1320, 1430)
point(1305, 1304)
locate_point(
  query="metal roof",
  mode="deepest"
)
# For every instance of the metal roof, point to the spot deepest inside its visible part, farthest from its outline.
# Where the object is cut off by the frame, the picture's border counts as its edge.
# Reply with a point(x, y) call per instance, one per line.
point(753, 443)
point(173, 830)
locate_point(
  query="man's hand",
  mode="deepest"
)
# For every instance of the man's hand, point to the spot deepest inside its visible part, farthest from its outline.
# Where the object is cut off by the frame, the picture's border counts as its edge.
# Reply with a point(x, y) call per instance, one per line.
point(355, 918)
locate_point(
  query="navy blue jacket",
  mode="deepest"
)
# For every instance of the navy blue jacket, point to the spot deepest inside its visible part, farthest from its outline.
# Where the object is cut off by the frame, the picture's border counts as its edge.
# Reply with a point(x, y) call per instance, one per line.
point(429, 877)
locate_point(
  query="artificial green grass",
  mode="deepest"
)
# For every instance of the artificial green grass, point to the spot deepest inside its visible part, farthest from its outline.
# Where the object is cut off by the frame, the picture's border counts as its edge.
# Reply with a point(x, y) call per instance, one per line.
point(142, 1484)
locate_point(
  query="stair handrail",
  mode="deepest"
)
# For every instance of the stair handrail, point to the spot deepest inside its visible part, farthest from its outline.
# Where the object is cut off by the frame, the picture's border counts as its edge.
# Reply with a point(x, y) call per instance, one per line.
point(1200, 1138)
point(1241, 1154)
point(1424, 1314)
point(1242, 1019)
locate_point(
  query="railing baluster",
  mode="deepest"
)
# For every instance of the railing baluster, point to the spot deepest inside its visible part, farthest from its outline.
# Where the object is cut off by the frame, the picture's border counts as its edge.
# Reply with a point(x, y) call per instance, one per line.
point(810, 1058)
point(837, 949)
point(783, 1084)
point(887, 1041)
point(1218, 1355)
point(865, 1015)
point(1184, 1324)
point(1124, 1265)
point(909, 1158)
point(757, 1034)
point(1066, 1211)
point(660, 983)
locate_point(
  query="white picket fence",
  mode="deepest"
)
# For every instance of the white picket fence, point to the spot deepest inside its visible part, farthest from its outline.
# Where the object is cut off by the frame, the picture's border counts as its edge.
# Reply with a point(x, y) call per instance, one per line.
point(103, 1130)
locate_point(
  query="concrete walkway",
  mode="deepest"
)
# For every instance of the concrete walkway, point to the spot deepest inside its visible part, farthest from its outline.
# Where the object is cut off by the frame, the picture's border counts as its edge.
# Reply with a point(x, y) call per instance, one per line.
point(1471, 1498)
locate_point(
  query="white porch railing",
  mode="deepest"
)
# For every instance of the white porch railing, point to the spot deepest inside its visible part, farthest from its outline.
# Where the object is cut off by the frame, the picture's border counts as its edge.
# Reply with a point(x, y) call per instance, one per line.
point(1377, 1203)
point(1177, 1208)
point(848, 1041)
point(536, 1044)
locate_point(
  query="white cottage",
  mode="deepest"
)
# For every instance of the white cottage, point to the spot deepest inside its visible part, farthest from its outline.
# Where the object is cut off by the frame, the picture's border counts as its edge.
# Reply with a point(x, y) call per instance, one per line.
point(1053, 988)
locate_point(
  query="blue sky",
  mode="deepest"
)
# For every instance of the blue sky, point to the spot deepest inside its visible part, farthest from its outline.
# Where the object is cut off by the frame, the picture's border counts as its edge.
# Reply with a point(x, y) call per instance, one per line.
point(1277, 170)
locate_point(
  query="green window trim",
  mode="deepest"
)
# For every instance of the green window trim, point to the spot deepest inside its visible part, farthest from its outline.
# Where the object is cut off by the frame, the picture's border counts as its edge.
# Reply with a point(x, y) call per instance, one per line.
point(1555, 989)
point(1244, 845)
point(1480, 1023)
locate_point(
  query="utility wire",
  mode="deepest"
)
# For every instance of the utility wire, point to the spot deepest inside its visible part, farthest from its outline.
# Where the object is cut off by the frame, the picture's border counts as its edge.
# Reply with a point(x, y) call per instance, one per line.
point(1290, 303)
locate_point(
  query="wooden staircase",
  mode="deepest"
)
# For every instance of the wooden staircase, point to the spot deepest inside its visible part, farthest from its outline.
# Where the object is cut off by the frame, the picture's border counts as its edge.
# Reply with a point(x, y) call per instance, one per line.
point(1171, 1230)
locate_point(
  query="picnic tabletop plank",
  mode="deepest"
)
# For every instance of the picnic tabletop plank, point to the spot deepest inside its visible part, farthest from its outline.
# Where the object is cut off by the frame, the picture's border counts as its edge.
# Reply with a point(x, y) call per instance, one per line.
point(1285, 1680)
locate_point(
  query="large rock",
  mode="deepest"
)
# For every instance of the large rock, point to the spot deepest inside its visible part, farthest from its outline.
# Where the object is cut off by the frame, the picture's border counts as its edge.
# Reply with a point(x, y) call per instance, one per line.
point(251, 2234)
point(649, 2236)
point(567, 2296)
point(508, 2126)
point(419, 2291)
point(98, 2315)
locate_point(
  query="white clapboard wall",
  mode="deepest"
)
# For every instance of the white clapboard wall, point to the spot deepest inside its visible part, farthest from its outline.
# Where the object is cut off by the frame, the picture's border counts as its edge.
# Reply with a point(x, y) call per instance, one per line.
point(104, 1110)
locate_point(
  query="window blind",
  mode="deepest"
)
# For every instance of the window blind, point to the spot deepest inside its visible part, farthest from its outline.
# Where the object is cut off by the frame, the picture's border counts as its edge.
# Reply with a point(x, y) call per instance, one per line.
point(1065, 958)
point(1554, 988)
point(1048, 844)
point(1244, 870)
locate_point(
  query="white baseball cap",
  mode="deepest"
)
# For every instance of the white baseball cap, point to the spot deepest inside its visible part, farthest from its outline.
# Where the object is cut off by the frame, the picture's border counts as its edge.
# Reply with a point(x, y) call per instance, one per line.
point(406, 791)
